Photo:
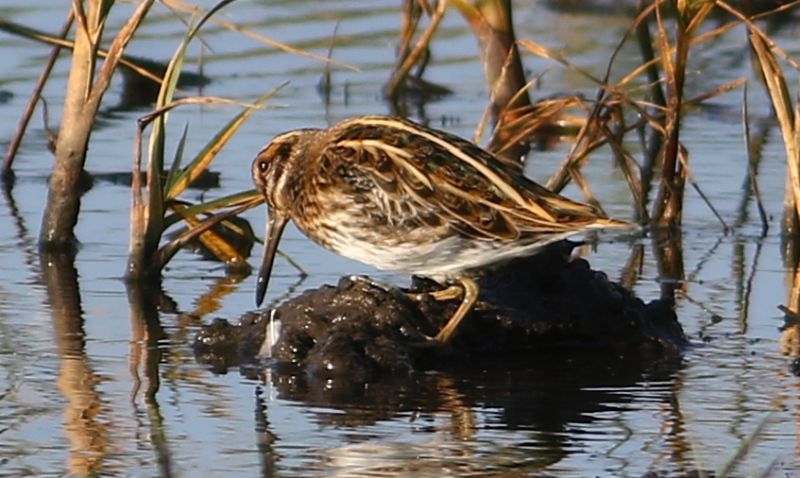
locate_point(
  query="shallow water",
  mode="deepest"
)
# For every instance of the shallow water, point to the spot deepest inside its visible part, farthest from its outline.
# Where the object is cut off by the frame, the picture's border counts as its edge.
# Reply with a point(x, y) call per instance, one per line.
point(116, 391)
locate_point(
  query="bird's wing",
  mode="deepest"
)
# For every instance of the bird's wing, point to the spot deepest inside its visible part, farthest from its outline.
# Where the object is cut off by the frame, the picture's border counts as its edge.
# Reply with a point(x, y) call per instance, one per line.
point(460, 183)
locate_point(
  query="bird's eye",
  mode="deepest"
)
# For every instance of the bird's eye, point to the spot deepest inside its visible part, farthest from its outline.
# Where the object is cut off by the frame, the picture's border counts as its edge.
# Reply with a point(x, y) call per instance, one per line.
point(262, 166)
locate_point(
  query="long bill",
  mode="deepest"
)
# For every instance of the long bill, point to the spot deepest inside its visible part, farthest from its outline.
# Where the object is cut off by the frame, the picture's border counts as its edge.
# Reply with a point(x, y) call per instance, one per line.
point(275, 224)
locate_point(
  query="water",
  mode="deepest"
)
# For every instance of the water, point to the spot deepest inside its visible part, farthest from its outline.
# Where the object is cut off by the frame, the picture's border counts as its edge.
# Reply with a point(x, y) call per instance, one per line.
point(116, 391)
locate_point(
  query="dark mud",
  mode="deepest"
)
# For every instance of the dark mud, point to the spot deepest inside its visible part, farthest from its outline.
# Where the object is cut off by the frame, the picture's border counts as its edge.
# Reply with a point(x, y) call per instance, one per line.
point(529, 309)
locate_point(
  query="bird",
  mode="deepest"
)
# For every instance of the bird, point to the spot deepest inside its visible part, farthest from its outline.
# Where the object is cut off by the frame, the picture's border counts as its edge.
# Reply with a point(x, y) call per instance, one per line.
point(408, 198)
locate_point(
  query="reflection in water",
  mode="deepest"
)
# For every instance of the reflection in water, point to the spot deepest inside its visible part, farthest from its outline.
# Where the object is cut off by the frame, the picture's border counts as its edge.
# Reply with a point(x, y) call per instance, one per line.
point(668, 248)
point(674, 428)
point(744, 283)
point(492, 420)
point(633, 267)
point(462, 418)
point(83, 425)
point(790, 333)
point(790, 336)
point(265, 437)
point(145, 356)
point(211, 300)
point(755, 152)
point(542, 402)
point(28, 246)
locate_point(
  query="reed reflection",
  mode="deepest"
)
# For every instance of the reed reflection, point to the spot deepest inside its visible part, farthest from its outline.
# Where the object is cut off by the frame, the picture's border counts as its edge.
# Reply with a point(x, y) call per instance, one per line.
point(668, 250)
point(85, 411)
point(266, 438)
point(538, 399)
point(145, 358)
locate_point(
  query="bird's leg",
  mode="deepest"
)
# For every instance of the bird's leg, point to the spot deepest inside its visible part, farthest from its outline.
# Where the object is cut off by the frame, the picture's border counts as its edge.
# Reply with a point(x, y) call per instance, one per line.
point(470, 291)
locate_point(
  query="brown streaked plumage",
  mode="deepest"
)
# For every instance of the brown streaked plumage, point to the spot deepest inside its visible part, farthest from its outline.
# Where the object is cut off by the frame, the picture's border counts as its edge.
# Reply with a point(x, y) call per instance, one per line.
point(400, 196)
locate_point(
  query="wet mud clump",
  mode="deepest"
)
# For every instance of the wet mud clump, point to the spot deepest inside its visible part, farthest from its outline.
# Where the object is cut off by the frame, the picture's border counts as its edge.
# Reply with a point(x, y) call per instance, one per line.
point(531, 306)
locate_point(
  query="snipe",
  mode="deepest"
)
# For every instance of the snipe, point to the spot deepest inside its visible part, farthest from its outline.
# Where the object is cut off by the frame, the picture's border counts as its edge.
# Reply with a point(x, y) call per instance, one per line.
point(403, 197)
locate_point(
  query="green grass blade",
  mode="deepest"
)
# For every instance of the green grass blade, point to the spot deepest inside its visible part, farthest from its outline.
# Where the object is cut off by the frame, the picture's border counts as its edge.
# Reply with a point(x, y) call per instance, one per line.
point(166, 252)
point(156, 202)
point(229, 241)
point(201, 162)
point(231, 200)
point(176, 161)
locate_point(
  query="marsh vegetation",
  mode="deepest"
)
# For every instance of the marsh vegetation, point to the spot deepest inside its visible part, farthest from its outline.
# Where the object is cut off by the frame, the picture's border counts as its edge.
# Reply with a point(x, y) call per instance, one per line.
point(679, 115)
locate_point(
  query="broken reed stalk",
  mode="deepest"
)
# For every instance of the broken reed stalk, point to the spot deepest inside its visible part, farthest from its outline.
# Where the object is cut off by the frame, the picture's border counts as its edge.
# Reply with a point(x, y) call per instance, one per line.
point(81, 103)
point(492, 23)
point(753, 160)
point(513, 127)
point(35, 96)
point(683, 157)
point(148, 219)
point(603, 126)
point(651, 137)
point(629, 169)
point(589, 137)
point(668, 206)
point(645, 43)
point(412, 14)
point(325, 85)
point(137, 247)
point(632, 270)
point(218, 246)
point(499, 55)
point(668, 250)
point(788, 119)
point(28, 33)
point(148, 223)
point(395, 84)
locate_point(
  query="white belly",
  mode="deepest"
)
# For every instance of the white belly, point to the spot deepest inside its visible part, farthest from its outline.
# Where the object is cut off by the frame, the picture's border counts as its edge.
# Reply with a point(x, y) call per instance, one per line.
point(446, 257)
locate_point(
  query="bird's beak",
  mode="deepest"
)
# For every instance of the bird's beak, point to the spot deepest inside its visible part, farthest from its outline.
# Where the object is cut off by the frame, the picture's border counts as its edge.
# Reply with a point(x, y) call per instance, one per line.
point(275, 224)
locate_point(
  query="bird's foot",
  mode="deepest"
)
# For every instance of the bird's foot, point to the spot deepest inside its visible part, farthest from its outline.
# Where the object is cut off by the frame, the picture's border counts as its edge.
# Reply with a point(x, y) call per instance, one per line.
point(355, 278)
point(428, 342)
point(448, 293)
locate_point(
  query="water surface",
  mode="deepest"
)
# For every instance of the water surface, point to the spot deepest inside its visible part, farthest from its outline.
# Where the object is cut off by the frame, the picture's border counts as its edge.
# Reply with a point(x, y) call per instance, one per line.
point(113, 390)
